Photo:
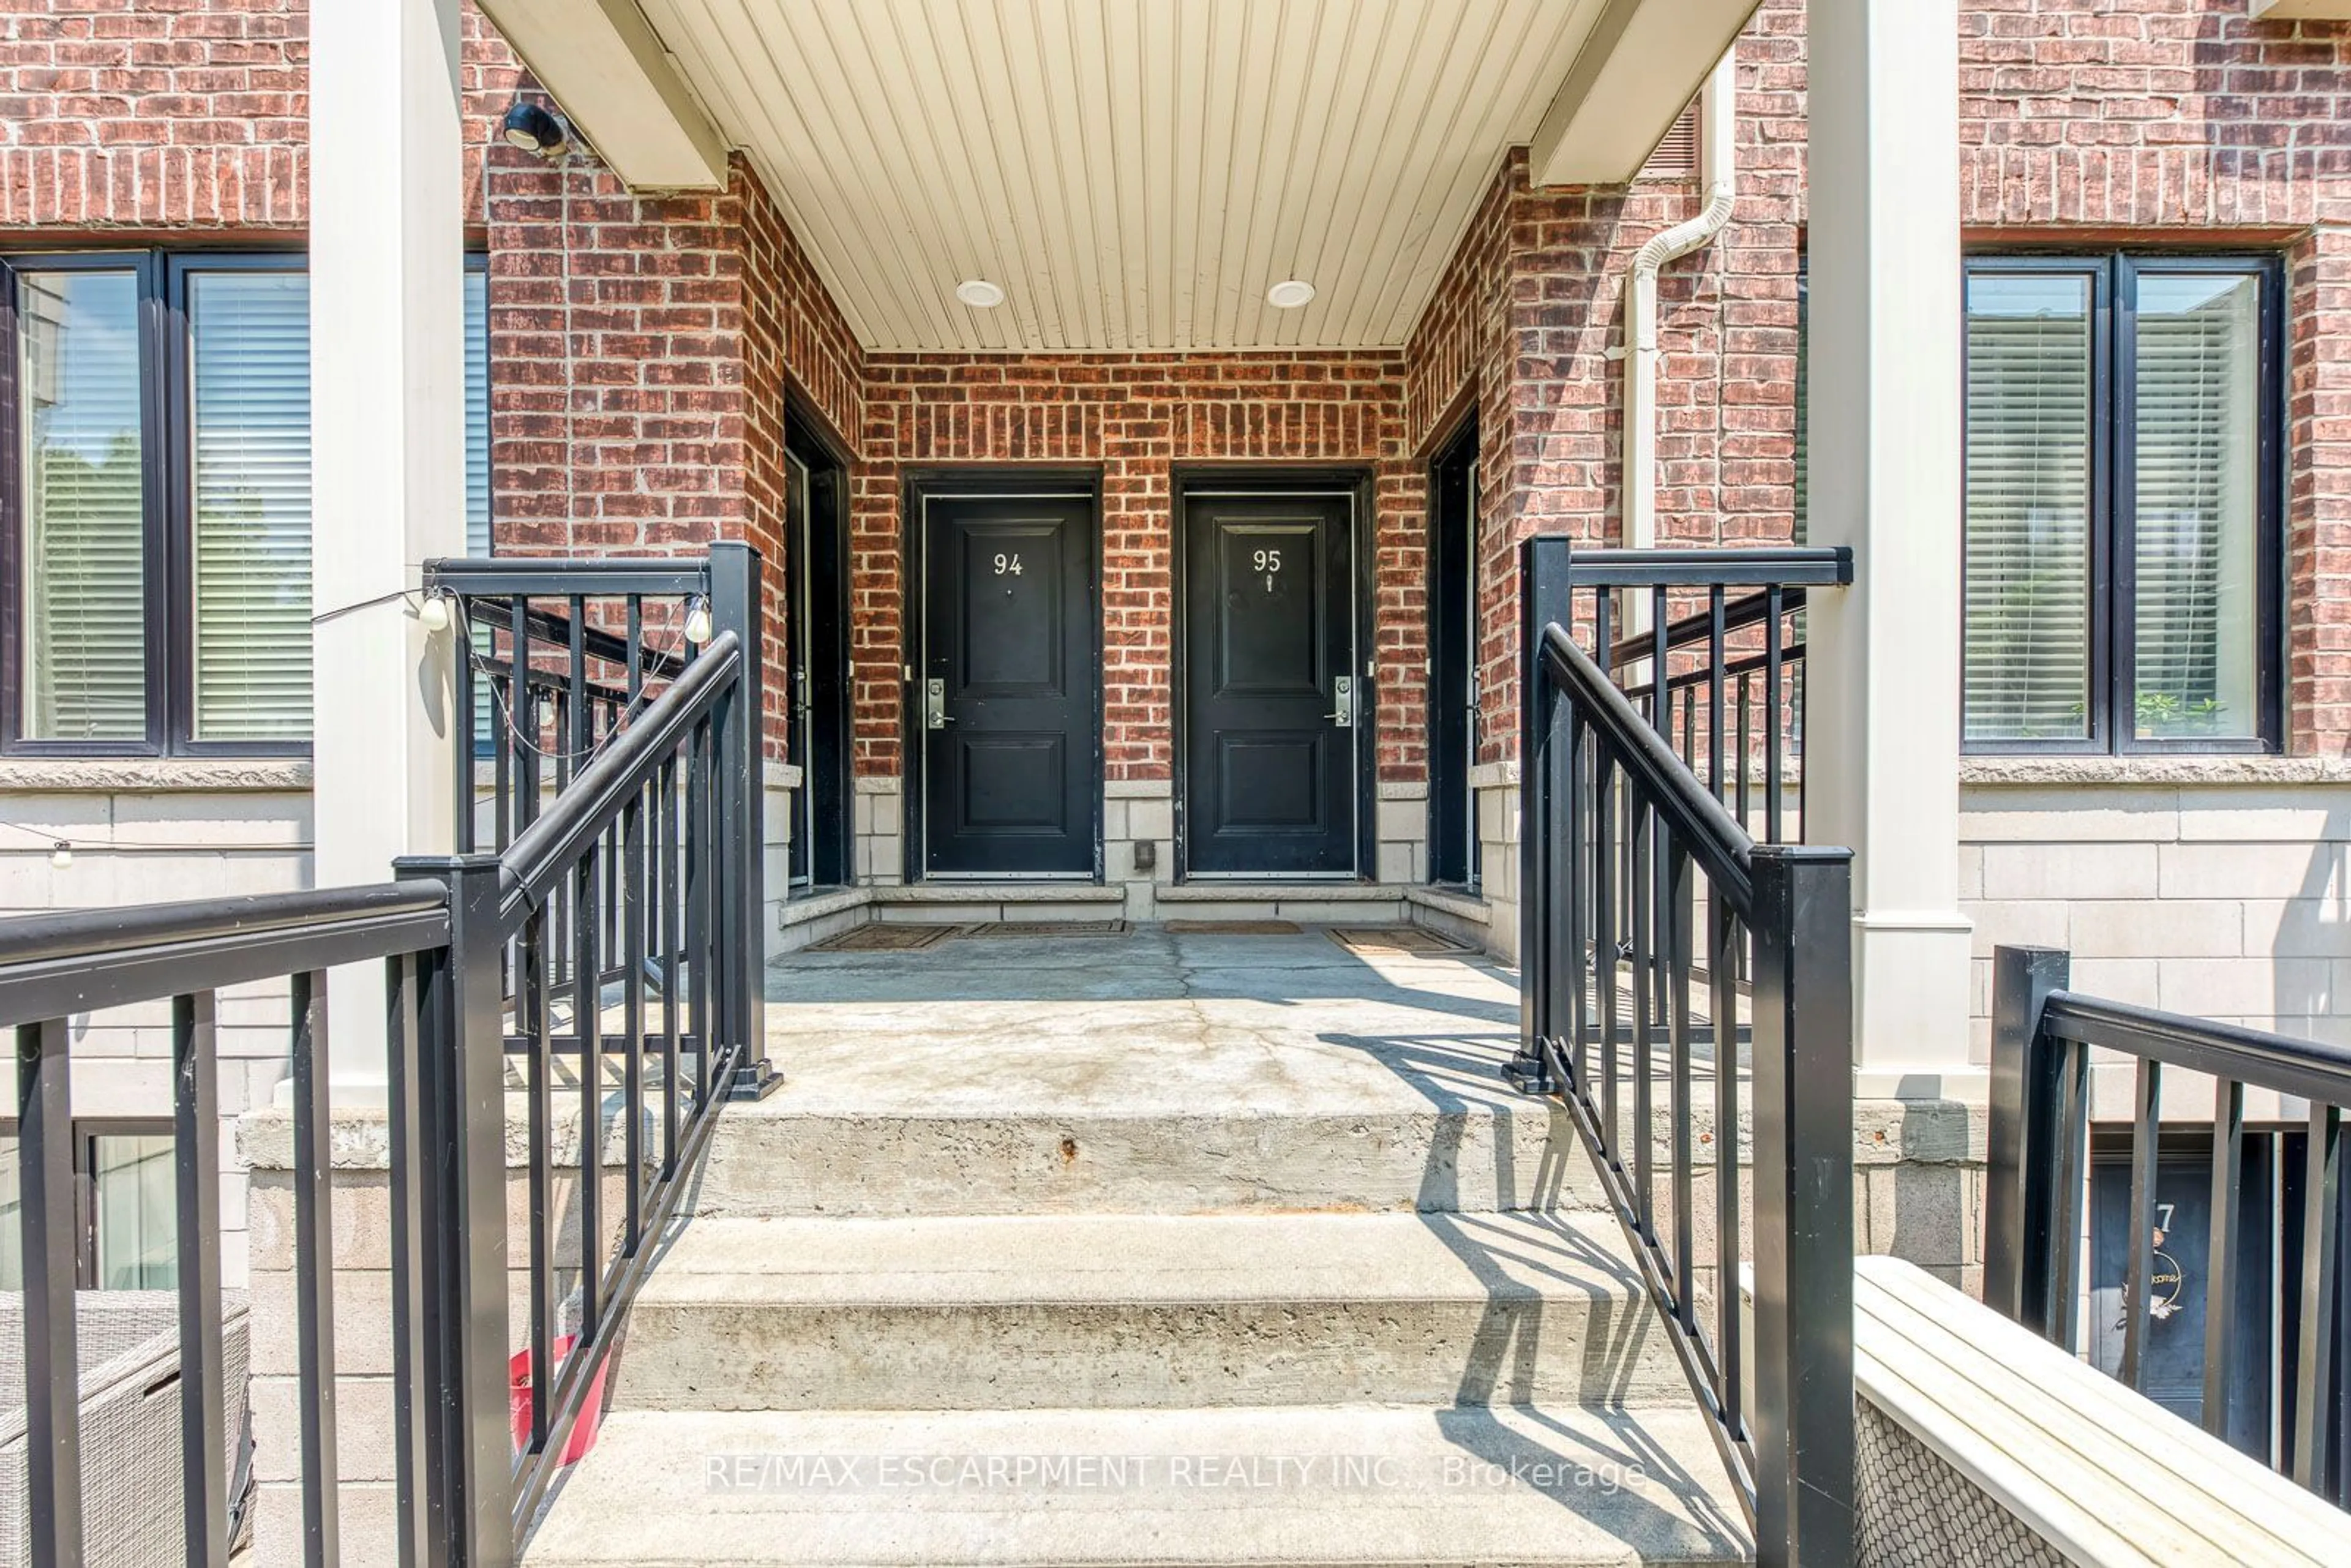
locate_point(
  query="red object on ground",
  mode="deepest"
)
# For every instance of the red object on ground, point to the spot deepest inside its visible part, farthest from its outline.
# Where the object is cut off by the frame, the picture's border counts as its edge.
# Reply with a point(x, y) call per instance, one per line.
point(591, 1413)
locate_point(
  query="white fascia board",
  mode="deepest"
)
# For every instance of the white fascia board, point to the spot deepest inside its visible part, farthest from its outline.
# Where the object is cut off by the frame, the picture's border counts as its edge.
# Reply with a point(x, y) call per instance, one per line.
point(1638, 69)
point(616, 81)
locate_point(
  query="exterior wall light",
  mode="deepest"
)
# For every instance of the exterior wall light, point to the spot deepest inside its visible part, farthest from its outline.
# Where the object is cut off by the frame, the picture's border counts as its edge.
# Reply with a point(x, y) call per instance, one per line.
point(979, 293)
point(1289, 294)
point(534, 128)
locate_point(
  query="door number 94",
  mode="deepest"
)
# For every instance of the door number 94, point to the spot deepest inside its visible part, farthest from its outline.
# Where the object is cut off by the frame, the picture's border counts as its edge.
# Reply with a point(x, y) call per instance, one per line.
point(1008, 565)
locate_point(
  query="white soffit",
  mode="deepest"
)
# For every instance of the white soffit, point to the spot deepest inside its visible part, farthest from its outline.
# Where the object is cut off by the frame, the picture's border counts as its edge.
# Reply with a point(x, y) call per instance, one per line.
point(1136, 173)
point(618, 86)
point(1641, 62)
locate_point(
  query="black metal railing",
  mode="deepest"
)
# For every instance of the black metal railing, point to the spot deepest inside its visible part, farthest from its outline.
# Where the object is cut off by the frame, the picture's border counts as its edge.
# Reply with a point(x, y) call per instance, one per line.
point(565, 655)
point(1623, 842)
point(2259, 1288)
point(1726, 627)
point(647, 837)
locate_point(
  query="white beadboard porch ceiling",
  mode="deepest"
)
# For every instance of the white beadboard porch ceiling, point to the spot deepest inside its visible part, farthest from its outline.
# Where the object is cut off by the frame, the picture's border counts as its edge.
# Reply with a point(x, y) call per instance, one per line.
point(1136, 173)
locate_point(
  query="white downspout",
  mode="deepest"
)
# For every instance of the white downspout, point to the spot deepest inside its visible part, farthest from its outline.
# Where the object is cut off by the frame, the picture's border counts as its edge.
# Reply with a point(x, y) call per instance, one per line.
point(1718, 168)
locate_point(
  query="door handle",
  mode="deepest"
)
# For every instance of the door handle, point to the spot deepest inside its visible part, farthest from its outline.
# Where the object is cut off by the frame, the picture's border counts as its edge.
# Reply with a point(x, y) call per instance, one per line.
point(935, 706)
point(1342, 702)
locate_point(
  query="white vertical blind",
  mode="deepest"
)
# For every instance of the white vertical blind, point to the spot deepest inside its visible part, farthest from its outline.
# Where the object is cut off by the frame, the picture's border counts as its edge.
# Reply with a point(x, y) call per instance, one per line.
point(249, 336)
point(2028, 494)
point(477, 413)
point(2197, 439)
point(84, 506)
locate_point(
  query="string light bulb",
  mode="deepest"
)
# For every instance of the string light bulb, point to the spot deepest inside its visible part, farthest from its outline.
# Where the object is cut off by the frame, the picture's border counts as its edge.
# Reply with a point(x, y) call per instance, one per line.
point(61, 854)
point(433, 614)
point(697, 620)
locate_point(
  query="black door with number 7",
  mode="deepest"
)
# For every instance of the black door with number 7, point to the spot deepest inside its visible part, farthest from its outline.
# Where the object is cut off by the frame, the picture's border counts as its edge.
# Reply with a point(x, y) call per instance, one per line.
point(1271, 688)
point(1006, 699)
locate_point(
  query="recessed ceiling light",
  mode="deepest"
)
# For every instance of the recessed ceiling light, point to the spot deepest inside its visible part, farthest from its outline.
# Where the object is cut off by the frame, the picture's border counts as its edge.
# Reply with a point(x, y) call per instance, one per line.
point(979, 293)
point(1289, 294)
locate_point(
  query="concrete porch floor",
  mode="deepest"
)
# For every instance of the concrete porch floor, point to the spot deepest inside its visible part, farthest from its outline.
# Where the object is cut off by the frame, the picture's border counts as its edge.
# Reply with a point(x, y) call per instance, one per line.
point(1149, 1021)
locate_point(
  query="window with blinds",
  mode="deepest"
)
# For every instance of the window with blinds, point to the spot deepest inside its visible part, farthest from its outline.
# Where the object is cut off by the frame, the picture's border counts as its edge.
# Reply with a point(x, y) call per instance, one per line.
point(249, 422)
point(83, 453)
point(2122, 541)
point(2196, 506)
point(2029, 488)
point(192, 466)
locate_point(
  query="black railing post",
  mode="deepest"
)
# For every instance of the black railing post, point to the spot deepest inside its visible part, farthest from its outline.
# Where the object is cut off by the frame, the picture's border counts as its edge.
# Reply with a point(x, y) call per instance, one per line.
point(460, 1108)
point(2027, 1070)
point(46, 1234)
point(739, 740)
point(1804, 1411)
point(1544, 600)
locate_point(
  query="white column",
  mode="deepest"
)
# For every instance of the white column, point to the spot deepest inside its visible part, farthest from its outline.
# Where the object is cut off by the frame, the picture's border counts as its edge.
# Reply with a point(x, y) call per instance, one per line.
point(1883, 752)
point(387, 449)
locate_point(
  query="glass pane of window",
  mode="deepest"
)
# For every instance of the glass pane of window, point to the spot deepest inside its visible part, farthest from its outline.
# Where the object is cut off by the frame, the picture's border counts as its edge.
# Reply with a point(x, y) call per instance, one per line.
point(2029, 454)
point(12, 1218)
point(2197, 432)
point(84, 506)
point(478, 413)
point(138, 1228)
point(250, 366)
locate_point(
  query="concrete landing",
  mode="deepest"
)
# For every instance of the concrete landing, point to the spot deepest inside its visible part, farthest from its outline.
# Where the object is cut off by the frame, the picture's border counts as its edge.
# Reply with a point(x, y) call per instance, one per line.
point(1028, 1489)
point(1147, 1021)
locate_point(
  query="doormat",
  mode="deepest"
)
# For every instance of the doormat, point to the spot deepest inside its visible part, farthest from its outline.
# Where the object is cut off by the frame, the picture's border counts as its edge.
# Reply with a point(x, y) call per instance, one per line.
point(1235, 927)
point(1388, 941)
point(878, 938)
point(1049, 929)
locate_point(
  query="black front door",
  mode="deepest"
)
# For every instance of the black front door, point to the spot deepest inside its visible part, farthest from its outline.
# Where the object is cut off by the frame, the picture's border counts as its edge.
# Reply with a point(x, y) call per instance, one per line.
point(1007, 696)
point(1269, 683)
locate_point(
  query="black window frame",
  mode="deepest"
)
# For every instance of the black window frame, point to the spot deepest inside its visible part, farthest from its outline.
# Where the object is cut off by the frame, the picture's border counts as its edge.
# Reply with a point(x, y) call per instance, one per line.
point(167, 529)
point(87, 1131)
point(2112, 686)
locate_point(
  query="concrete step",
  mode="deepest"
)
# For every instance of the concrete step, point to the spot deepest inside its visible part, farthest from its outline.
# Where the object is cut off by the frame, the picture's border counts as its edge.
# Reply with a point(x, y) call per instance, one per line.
point(1023, 1489)
point(1494, 1153)
point(1101, 1310)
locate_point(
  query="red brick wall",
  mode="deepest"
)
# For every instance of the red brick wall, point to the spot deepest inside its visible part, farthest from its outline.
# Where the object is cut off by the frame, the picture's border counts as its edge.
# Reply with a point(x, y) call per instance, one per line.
point(640, 349)
point(1529, 313)
point(135, 115)
point(2318, 500)
point(1135, 417)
